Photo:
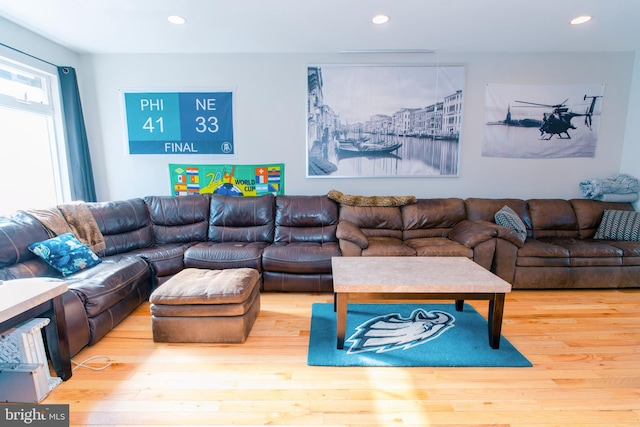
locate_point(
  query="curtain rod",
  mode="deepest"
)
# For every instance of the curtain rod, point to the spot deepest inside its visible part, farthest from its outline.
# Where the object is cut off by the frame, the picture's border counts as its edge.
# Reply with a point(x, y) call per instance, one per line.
point(28, 54)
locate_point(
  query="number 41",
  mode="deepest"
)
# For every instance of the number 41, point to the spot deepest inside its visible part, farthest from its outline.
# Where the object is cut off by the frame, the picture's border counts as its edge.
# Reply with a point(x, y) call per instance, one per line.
point(148, 125)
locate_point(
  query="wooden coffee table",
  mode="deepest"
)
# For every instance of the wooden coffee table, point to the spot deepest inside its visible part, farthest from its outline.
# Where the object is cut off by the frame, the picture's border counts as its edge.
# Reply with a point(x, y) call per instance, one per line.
point(375, 279)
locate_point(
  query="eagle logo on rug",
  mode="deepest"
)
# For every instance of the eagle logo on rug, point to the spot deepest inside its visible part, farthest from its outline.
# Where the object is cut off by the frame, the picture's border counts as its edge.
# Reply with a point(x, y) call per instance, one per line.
point(392, 331)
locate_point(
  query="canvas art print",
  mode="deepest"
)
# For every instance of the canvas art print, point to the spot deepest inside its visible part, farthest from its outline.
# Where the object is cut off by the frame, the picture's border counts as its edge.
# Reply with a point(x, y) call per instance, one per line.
point(384, 121)
point(526, 121)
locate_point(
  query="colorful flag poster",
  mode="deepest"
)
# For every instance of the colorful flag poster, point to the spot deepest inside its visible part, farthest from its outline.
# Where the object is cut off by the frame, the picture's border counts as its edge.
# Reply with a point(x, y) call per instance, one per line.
point(231, 180)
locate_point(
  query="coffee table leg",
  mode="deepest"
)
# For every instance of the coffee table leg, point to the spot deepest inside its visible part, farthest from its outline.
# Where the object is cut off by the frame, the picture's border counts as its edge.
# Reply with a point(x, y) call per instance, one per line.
point(459, 304)
point(496, 308)
point(341, 318)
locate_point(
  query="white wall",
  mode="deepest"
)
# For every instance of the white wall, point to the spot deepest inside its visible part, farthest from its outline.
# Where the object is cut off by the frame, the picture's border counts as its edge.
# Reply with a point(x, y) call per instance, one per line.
point(631, 152)
point(35, 45)
point(270, 117)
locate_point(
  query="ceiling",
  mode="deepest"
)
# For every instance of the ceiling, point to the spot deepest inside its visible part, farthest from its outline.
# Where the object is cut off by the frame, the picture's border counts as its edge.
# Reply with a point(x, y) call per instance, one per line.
point(139, 26)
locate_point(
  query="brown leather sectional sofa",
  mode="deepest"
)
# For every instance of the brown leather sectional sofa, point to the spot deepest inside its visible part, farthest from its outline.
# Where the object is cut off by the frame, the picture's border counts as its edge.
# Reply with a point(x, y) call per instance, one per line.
point(560, 250)
point(291, 239)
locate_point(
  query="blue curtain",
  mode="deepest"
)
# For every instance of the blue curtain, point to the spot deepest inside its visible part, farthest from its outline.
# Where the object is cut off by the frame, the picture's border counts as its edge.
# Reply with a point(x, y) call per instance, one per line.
point(80, 170)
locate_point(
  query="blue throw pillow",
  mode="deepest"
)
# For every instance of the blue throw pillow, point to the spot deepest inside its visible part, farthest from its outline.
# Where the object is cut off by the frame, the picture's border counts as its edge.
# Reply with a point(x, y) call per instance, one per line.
point(619, 225)
point(65, 253)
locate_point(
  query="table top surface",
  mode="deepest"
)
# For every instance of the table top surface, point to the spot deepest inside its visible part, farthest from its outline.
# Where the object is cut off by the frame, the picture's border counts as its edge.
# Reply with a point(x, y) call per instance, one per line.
point(18, 296)
point(414, 275)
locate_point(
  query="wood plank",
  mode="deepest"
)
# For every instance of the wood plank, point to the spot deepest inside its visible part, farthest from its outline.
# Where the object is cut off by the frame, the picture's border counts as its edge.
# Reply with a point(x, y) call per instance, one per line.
point(585, 347)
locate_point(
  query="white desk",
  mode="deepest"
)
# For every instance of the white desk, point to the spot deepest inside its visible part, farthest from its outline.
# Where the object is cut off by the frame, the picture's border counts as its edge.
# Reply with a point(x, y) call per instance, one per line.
point(23, 299)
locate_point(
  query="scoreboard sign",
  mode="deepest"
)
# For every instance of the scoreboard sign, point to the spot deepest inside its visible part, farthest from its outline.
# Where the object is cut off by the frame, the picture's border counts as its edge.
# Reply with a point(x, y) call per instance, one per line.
point(179, 122)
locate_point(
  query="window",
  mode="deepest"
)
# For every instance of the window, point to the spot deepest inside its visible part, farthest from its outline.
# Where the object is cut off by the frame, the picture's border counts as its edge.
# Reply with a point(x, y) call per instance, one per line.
point(32, 156)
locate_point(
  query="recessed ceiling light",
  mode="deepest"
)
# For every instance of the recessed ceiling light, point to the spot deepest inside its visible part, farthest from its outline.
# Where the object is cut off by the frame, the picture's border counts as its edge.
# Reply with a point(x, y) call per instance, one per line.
point(580, 20)
point(387, 51)
point(175, 19)
point(380, 19)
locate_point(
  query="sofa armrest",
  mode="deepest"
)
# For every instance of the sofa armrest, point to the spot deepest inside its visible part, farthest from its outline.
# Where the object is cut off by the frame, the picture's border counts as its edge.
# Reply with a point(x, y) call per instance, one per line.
point(472, 233)
point(349, 231)
point(506, 233)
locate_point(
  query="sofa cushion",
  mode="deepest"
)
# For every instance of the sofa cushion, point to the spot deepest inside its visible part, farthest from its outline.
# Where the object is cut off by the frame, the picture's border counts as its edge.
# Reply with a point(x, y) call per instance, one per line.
point(553, 218)
point(109, 282)
point(374, 221)
point(296, 282)
point(439, 246)
point(218, 256)
point(589, 214)
point(65, 253)
point(125, 225)
point(472, 233)
point(387, 246)
point(585, 248)
point(479, 209)
point(179, 219)
point(508, 218)
point(16, 234)
point(35, 267)
point(587, 252)
point(630, 251)
point(165, 259)
point(241, 219)
point(305, 219)
point(619, 225)
point(538, 248)
point(300, 257)
point(432, 217)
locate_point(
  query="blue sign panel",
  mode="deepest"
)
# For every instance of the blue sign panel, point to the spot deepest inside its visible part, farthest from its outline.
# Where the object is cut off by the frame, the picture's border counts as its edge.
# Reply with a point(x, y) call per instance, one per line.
point(179, 122)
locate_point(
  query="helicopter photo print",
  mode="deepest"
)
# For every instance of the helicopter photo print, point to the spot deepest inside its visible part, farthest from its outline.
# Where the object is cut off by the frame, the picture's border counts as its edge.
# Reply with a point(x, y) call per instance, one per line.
point(528, 121)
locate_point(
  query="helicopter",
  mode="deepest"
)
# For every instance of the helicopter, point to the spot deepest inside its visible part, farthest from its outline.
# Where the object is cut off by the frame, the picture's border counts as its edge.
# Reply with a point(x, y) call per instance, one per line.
point(558, 122)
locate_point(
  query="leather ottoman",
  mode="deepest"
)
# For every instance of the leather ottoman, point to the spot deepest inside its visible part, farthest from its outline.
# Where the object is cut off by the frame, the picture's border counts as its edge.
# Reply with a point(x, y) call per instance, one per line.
point(206, 306)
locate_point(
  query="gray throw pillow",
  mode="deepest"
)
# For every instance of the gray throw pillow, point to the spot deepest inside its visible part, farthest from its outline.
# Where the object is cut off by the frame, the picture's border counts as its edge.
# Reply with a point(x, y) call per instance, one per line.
point(507, 217)
point(619, 225)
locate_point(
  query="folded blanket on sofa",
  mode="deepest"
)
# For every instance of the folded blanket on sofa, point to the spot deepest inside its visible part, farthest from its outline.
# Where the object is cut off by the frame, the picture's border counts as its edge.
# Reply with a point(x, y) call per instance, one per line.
point(83, 225)
point(350, 200)
point(73, 218)
point(619, 184)
point(618, 198)
point(52, 220)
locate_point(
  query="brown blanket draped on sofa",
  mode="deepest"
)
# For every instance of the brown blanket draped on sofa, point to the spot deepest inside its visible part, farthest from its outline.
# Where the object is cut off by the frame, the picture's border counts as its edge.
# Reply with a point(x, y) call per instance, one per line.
point(73, 218)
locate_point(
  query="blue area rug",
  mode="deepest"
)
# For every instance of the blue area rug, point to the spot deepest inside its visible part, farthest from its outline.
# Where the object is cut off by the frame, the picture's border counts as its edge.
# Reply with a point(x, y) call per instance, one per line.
point(407, 335)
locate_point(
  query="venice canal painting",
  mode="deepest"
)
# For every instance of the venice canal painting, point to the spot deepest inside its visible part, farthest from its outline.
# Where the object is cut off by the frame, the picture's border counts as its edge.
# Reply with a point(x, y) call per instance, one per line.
point(383, 121)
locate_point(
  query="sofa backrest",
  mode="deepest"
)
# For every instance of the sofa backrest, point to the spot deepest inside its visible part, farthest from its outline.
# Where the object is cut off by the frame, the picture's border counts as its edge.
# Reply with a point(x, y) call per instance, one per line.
point(179, 219)
point(124, 224)
point(480, 209)
point(305, 219)
point(241, 219)
point(589, 214)
point(374, 221)
point(553, 218)
point(17, 232)
point(431, 217)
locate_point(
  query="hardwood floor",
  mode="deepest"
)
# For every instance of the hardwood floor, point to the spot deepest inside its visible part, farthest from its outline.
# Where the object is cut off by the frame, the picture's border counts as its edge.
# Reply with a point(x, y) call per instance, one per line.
point(584, 345)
